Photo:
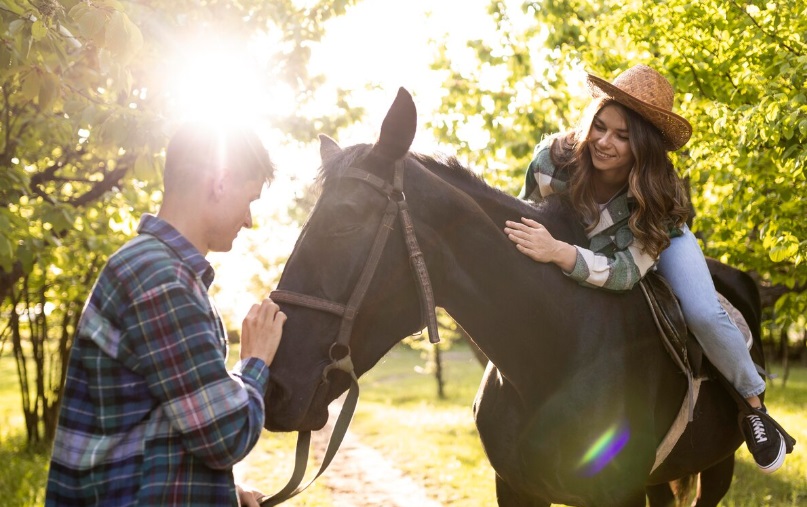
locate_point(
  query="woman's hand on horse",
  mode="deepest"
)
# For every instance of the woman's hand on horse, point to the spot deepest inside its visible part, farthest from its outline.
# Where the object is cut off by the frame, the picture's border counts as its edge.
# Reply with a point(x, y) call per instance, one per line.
point(533, 240)
point(261, 331)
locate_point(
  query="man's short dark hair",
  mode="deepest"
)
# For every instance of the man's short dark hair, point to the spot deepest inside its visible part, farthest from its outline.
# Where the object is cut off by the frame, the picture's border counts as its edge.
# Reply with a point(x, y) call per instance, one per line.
point(199, 147)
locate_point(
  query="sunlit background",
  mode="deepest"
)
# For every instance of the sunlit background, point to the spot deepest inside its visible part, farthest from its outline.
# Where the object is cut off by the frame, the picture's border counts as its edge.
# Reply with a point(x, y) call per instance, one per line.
point(378, 46)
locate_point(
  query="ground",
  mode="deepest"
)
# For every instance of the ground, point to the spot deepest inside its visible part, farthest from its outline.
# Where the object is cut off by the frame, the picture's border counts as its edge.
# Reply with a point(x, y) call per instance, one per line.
point(358, 475)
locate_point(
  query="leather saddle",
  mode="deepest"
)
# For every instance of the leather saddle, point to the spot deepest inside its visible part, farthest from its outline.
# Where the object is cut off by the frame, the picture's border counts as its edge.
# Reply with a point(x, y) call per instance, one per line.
point(679, 342)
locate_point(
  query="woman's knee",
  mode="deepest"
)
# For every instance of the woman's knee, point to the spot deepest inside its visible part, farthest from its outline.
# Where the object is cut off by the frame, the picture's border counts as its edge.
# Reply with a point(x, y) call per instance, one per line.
point(705, 319)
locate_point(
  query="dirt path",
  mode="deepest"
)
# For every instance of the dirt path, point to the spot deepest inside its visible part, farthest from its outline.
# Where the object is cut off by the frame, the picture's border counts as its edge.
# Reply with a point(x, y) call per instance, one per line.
point(359, 476)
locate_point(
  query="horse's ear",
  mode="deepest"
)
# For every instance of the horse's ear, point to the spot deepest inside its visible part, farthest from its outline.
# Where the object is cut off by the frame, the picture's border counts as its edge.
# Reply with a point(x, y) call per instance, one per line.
point(398, 128)
point(328, 149)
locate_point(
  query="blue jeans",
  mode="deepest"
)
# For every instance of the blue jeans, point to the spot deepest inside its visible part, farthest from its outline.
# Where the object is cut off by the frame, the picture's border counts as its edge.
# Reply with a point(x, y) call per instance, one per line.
point(682, 264)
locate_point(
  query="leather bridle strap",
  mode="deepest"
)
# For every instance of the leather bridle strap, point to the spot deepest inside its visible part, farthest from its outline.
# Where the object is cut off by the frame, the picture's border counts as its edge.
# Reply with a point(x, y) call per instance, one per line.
point(360, 290)
point(293, 298)
point(396, 206)
point(421, 272)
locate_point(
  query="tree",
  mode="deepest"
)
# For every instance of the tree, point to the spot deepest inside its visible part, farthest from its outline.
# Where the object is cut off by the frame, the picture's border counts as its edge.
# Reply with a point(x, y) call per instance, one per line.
point(739, 71)
point(83, 124)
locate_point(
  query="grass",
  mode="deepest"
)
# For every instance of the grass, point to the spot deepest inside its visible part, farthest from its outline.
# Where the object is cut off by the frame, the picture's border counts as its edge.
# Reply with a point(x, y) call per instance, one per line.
point(433, 441)
point(22, 481)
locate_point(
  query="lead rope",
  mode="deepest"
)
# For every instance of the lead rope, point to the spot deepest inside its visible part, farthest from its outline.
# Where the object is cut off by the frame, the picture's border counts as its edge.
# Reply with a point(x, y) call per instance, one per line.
point(293, 488)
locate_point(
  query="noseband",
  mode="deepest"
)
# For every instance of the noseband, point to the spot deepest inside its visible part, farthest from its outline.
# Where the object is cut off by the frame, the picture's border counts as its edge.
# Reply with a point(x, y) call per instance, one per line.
point(396, 206)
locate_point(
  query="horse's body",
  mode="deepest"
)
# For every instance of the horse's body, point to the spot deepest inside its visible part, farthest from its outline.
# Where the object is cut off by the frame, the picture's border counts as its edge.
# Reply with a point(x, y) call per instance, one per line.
point(579, 391)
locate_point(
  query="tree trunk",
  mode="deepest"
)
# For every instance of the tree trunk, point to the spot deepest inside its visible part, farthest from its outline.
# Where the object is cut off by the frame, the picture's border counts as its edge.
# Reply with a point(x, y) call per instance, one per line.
point(438, 371)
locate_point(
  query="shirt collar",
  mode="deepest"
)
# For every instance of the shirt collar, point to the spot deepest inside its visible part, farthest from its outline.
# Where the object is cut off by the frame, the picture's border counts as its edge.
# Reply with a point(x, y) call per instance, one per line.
point(165, 232)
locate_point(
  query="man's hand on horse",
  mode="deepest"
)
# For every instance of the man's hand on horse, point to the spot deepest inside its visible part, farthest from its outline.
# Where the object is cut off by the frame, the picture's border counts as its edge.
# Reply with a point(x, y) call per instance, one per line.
point(247, 496)
point(261, 331)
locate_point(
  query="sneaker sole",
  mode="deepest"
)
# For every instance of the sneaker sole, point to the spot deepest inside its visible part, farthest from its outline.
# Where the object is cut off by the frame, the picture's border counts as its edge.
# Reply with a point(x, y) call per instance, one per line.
point(778, 462)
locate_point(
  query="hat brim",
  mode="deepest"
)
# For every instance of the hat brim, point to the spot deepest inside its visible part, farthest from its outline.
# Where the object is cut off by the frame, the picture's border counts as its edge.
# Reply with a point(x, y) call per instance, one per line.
point(675, 129)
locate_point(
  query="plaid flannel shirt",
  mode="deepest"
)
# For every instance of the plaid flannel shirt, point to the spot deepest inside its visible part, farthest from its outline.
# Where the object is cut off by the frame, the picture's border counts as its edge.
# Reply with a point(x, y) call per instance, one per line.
point(150, 414)
point(615, 260)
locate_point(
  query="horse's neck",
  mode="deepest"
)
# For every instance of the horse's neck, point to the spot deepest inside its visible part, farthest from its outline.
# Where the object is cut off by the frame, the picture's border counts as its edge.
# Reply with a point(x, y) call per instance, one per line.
point(496, 293)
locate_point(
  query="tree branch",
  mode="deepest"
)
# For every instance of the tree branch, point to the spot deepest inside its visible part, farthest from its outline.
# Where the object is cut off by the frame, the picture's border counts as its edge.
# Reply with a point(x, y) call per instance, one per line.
point(769, 34)
point(111, 179)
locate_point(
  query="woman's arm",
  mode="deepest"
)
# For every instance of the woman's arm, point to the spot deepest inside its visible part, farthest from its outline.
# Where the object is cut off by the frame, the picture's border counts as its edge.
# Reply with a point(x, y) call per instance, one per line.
point(617, 272)
point(533, 240)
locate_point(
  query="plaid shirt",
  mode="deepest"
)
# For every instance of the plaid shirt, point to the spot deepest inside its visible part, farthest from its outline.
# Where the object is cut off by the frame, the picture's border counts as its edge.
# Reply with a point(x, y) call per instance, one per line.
point(615, 260)
point(150, 415)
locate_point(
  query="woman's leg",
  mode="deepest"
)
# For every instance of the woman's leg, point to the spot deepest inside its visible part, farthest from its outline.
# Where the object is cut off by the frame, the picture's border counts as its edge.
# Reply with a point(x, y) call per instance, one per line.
point(682, 264)
point(684, 267)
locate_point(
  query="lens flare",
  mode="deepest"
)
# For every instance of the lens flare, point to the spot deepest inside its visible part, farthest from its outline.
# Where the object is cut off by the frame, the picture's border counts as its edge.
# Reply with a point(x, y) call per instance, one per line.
point(603, 450)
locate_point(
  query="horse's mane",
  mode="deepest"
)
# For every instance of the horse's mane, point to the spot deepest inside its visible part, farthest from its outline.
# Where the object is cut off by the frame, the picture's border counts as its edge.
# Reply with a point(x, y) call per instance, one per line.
point(442, 165)
point(555, 208)
point(448, 167)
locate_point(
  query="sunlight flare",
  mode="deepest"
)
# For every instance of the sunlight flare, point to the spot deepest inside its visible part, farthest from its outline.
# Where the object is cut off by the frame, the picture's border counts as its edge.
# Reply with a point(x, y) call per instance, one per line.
point(603, 450)
point(223, 81)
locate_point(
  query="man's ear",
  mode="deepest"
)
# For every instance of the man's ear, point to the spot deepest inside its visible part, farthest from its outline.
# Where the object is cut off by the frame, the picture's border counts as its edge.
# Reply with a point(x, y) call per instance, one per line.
point(218, 182)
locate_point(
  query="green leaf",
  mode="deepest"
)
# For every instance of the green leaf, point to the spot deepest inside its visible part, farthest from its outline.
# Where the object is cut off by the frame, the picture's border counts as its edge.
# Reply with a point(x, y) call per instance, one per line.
point(48, 90)
point(30, 85)
point(15, 26)
point(783, 251)
point(91, 24)
point(123, 38)
point(26, 257)
point(59, 218)
point(38, 30)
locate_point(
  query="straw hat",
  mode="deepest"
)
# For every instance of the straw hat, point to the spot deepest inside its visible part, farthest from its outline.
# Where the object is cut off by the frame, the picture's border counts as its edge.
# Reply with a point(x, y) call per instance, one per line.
point(648, 93)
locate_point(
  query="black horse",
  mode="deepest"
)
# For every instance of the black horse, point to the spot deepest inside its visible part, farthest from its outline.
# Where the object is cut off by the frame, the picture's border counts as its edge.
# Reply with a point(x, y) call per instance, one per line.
point(579, 390)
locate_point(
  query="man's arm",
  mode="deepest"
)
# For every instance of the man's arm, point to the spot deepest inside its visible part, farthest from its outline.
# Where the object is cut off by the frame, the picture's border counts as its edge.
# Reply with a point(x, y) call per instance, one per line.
point(174, 346)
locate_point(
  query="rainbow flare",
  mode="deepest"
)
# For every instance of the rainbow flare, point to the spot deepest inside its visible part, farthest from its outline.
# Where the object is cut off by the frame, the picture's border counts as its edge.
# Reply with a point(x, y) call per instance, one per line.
point(605, 449)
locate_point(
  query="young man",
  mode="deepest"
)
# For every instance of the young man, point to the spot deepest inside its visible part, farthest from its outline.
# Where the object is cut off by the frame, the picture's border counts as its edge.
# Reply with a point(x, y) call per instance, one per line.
point(150, 414)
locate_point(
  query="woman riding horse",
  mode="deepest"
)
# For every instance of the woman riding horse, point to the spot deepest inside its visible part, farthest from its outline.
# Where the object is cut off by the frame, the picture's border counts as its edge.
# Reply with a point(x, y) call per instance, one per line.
point(623, 187)
point(571, 410)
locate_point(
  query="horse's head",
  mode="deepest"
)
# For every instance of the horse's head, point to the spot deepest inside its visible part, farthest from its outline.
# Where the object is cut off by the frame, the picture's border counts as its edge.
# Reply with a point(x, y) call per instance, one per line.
point(348, 288)
point(335, 297)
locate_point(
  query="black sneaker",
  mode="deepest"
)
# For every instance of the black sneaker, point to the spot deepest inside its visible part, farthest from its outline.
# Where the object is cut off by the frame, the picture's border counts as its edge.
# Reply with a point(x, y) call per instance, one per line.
point(764, 442)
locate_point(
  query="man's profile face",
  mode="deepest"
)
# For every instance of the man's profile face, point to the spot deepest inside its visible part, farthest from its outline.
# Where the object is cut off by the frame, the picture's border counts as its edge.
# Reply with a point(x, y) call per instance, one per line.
point(232, 211)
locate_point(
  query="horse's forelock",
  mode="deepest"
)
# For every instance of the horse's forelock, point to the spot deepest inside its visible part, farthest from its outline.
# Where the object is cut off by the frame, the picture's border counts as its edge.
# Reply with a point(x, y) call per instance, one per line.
point(337, 165)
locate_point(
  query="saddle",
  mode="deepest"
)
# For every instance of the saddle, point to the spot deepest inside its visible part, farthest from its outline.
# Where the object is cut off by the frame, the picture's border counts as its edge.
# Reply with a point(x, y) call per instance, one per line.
point(678, 341)
point(685, 351)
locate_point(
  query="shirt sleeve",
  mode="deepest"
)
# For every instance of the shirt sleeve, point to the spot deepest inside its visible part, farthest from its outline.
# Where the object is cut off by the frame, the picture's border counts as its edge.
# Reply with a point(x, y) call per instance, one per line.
point(618, 272)
point(542, 178)
point(173, 343)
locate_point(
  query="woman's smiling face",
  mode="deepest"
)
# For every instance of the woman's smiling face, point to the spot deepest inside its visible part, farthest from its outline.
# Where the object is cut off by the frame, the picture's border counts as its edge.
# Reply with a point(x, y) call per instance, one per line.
point(609, 144)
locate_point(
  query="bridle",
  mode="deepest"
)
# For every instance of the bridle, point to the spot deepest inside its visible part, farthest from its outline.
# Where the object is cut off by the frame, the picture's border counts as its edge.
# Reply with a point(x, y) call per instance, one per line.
point(396, 207)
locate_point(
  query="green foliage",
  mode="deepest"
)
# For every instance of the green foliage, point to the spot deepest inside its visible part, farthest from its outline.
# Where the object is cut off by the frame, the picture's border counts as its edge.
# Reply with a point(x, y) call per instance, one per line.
point(83, 122)
point(739, 70)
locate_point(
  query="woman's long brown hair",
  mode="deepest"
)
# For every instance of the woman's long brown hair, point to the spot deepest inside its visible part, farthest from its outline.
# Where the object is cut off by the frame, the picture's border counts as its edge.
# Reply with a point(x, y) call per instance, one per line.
point(661, 201)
